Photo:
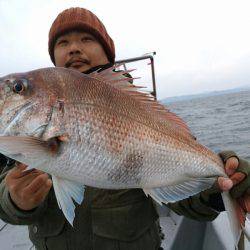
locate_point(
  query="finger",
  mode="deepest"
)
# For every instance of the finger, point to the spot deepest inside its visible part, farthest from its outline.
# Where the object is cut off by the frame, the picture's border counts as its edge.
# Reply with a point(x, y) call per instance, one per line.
point(244, 167)
point(41, 193)
point(225, 184)
point(225, 155)
point(37, 183)
point(237, 177)
point(231, 165)
point(238, 190)
point(19, 171)
point(16, 184)
point(20, 165)
point(13, 175)
point(24, 172)
point(38, 171)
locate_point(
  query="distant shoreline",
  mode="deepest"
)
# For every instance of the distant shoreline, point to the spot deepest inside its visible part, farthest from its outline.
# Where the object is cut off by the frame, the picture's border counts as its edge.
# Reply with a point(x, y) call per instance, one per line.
point(202, 95)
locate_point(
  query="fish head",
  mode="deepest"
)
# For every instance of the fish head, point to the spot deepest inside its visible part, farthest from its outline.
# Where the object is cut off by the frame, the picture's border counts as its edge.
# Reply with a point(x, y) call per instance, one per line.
point(26, 102)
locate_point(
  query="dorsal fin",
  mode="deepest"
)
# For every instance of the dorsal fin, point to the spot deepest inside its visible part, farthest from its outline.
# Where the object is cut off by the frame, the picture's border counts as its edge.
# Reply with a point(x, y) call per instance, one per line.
point(116, 77)
point(154, 108)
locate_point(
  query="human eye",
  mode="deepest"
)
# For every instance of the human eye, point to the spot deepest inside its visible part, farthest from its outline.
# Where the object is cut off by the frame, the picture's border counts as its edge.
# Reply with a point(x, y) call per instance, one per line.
point(87, 39)
point(62, 42)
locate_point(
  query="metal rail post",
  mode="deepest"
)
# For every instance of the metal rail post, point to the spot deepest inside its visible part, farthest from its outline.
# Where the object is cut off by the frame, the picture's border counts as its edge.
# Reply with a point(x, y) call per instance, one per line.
point(134, 59)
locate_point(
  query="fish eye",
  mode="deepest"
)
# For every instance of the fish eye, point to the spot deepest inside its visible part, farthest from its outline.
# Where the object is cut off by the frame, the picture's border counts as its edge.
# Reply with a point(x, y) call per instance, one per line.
point(20, 85)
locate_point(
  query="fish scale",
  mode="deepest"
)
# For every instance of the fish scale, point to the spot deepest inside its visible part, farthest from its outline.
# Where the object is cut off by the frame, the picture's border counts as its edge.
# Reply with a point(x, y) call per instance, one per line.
point(105, 138)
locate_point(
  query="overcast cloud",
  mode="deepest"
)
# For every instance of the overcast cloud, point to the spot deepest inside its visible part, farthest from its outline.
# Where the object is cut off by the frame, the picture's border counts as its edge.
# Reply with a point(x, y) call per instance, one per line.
point(200, 45)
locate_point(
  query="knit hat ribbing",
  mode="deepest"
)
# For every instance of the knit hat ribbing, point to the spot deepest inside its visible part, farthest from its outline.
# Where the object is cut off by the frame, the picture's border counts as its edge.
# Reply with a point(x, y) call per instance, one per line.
point(80, 19)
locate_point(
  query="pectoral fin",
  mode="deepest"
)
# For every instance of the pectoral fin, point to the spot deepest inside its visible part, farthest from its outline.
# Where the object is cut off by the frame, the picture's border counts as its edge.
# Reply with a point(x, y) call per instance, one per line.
point(67, 191)
point(27, 149)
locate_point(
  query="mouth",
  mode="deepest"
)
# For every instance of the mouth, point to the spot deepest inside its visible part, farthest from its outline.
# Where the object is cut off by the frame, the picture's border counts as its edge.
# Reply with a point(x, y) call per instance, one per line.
point(76, 63)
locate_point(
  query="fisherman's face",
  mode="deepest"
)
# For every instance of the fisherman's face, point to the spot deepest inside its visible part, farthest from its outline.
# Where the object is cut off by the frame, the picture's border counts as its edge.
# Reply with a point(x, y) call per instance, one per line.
point(80, 51)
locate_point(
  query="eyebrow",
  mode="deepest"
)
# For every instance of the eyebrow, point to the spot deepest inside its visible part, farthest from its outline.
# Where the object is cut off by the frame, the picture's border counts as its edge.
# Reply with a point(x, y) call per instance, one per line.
point(90, 35)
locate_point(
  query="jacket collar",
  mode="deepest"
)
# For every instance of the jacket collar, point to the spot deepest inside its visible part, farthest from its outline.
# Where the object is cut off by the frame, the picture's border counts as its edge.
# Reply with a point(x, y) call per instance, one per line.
point(99, 68)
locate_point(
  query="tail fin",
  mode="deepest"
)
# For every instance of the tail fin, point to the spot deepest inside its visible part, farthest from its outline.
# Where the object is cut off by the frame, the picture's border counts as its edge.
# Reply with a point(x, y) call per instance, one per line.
point(235, 216)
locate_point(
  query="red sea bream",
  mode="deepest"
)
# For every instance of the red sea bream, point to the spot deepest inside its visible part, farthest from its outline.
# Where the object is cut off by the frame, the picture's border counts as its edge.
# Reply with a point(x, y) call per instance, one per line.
point(99, 130)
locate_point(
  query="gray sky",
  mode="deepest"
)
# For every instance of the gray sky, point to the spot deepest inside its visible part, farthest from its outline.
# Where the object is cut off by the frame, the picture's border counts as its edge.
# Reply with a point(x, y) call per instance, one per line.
point(201, 45)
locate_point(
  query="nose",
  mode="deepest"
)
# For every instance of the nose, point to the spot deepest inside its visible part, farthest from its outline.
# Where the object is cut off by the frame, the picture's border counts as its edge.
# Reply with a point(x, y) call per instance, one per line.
point(75, 49)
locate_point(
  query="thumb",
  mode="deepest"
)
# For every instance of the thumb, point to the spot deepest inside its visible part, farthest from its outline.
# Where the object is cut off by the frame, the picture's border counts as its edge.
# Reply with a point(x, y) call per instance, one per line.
point(224, 183)
point(18, 170)
point(20, 166)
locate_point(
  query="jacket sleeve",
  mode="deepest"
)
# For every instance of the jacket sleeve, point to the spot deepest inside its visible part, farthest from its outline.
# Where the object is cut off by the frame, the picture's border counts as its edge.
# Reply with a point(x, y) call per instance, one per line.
point(9, 212)
point(204, 206)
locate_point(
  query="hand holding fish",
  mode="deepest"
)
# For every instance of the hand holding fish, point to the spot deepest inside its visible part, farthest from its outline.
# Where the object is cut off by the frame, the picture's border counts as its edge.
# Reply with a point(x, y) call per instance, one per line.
point(238, 171)
point(27, 188)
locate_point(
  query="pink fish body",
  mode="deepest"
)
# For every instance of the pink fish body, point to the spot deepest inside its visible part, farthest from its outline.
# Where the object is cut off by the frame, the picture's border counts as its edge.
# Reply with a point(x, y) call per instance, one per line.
point(101, 131)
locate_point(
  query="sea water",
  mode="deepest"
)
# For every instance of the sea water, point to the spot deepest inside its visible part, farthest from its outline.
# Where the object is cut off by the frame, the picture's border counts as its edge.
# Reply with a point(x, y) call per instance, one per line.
point(219, 122)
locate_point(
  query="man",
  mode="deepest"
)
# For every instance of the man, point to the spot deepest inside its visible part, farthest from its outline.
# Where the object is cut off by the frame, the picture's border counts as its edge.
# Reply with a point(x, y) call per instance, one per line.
point(107, 219)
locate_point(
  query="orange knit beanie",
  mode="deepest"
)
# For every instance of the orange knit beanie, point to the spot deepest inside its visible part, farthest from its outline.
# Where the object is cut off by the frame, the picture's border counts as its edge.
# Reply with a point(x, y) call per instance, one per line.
point(80, 19)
